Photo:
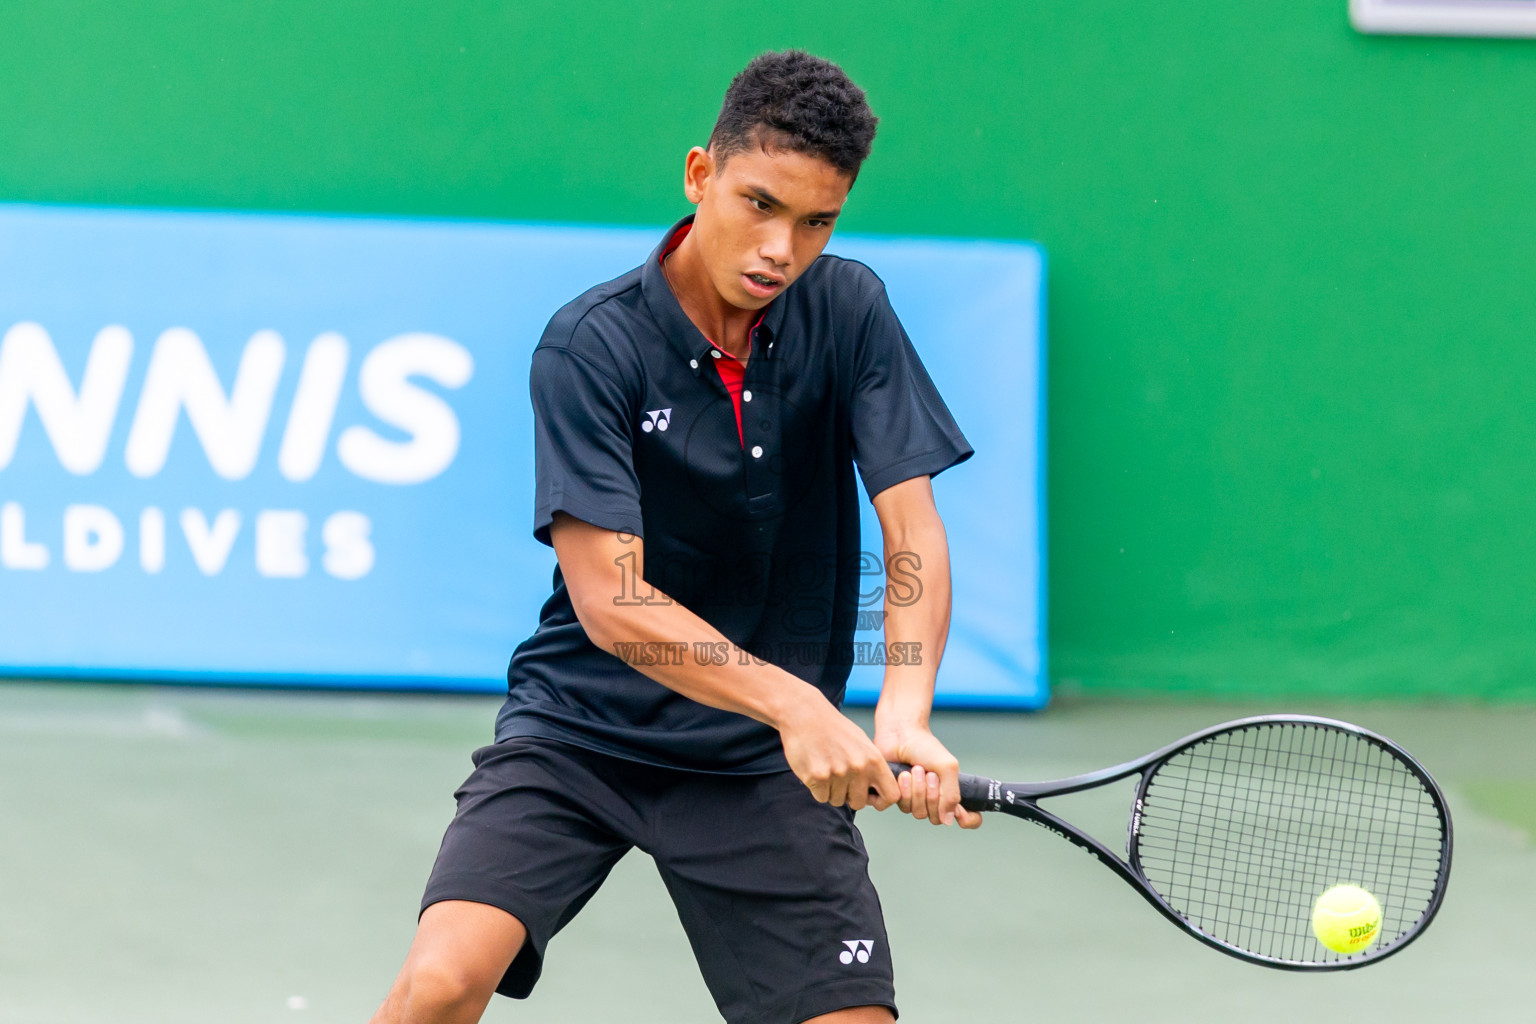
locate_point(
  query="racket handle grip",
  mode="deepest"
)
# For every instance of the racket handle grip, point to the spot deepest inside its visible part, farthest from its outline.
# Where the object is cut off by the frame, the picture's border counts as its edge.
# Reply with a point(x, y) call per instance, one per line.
point(974, 789)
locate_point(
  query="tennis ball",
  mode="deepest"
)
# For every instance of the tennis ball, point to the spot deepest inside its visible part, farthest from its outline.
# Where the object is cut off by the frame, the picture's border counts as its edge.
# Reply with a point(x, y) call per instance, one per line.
point(1346, 919)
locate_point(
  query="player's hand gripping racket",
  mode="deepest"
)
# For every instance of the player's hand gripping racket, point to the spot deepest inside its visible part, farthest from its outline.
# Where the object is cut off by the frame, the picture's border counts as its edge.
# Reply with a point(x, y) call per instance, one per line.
point(1235, 832)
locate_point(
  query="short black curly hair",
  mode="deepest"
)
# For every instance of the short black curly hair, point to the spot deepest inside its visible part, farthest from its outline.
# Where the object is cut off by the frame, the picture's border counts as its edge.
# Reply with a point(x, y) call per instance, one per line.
point(793, 100)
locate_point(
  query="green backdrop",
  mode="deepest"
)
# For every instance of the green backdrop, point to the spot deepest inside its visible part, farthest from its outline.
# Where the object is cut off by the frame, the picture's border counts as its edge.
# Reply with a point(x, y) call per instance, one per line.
point(1292, 284)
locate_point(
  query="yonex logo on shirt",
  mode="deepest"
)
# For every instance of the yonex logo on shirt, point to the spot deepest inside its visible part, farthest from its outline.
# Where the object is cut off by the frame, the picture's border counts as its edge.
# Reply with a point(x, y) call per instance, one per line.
point(656, 419)
point(858, 949)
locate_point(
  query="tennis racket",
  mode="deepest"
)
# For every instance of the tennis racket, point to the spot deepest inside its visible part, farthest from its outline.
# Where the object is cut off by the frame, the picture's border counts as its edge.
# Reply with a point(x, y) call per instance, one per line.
point(1235, 831)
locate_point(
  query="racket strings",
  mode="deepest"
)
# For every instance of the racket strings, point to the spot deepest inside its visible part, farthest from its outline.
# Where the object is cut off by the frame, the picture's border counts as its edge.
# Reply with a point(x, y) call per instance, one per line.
point(1242, 832)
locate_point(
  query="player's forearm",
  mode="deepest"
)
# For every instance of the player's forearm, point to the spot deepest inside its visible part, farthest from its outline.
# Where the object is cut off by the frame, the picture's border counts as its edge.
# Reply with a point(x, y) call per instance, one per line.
point(661, 638)
point(917, 611)
point(672, 645)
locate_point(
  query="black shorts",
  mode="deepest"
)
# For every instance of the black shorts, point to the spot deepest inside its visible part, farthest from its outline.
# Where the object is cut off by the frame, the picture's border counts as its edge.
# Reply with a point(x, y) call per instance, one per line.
point(772, 887)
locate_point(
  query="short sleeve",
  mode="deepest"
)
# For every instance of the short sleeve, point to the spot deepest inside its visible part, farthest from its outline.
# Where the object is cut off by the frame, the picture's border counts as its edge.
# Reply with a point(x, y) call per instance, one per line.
point(583, 446)
point(901, 426)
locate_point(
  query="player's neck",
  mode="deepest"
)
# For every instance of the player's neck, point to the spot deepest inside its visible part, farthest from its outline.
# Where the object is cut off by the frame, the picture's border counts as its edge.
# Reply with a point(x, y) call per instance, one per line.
point(726, 325)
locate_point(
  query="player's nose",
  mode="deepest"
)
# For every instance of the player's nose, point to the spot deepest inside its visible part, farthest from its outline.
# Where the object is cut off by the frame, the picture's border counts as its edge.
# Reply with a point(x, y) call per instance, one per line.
point(776, 245)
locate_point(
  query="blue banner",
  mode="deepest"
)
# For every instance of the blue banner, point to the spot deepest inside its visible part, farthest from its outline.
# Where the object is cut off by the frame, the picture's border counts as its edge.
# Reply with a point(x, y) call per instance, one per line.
point(297, 450)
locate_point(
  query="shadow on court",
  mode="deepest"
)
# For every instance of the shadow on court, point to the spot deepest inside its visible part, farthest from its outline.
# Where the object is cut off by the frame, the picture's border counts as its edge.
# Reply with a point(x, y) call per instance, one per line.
point(182, 856)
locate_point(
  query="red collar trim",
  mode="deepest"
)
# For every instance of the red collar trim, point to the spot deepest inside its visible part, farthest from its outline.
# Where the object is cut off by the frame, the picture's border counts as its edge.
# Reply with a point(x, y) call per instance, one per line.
point(675, 241)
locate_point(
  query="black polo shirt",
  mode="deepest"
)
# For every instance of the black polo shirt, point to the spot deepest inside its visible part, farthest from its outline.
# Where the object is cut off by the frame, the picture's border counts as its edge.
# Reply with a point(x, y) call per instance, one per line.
point(758, 534)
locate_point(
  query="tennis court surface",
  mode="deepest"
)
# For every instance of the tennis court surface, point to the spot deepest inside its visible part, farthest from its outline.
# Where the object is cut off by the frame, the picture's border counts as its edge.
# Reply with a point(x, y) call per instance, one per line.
point(185, 855)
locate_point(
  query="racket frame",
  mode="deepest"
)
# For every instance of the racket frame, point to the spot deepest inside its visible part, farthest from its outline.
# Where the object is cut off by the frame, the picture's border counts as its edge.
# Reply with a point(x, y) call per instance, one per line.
point(1021, 800)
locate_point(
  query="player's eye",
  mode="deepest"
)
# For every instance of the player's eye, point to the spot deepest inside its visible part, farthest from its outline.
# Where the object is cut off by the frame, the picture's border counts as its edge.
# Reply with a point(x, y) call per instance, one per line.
point(759, 204)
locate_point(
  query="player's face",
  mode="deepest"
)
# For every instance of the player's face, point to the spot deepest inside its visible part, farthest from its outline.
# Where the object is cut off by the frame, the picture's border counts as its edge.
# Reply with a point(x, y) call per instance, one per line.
point(763, 217)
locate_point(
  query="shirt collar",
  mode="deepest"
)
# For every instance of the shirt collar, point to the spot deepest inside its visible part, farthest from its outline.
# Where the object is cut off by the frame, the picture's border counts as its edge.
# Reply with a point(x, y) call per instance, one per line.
point(687, 339)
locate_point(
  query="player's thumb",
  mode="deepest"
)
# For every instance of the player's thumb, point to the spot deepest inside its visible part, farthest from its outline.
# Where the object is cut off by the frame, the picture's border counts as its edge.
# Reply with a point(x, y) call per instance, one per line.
point(883, 788)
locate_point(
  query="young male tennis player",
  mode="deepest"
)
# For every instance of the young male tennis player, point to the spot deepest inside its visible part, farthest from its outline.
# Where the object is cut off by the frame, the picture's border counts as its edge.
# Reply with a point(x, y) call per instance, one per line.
point(698, 423)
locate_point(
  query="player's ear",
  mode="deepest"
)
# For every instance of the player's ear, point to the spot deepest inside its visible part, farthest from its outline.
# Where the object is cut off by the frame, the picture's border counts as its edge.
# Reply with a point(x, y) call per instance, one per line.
point(698, 169)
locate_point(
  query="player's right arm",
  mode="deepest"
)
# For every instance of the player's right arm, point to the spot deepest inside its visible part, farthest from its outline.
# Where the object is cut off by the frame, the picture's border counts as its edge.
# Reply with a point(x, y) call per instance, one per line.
point(829, 753)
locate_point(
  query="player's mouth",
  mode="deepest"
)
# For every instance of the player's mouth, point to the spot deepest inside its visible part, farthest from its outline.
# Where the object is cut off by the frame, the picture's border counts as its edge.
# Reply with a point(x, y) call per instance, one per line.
point(763, 285)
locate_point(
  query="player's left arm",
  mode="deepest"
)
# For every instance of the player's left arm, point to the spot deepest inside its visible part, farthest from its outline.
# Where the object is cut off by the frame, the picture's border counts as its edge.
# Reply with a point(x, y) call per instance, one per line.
point(917, 606)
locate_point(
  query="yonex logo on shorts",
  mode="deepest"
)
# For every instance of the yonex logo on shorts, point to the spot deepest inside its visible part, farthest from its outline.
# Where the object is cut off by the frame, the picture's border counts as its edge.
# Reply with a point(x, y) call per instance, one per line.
point(858, 949)
point(656, 419)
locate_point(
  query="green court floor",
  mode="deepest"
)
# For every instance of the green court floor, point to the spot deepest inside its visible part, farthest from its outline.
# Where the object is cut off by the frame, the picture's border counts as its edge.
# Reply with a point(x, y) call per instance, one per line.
point(185, 856)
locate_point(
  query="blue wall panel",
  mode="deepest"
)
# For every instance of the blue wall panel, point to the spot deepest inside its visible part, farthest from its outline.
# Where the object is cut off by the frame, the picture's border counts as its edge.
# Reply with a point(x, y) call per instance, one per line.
point(296, 450)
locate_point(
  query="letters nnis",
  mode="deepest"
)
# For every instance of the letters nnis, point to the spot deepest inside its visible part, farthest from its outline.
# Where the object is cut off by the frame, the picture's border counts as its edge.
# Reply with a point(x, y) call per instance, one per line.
point(230, 427)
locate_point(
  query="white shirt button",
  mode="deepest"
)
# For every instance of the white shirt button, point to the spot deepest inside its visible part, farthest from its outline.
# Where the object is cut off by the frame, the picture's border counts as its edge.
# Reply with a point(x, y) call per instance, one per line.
point(693, 363)
point(757, 451)
point(715, 352)
point(746, 396)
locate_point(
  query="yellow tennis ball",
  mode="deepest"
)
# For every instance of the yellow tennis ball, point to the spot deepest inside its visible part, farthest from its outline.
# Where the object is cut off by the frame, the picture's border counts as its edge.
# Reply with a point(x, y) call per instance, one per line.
point(1346, 919)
